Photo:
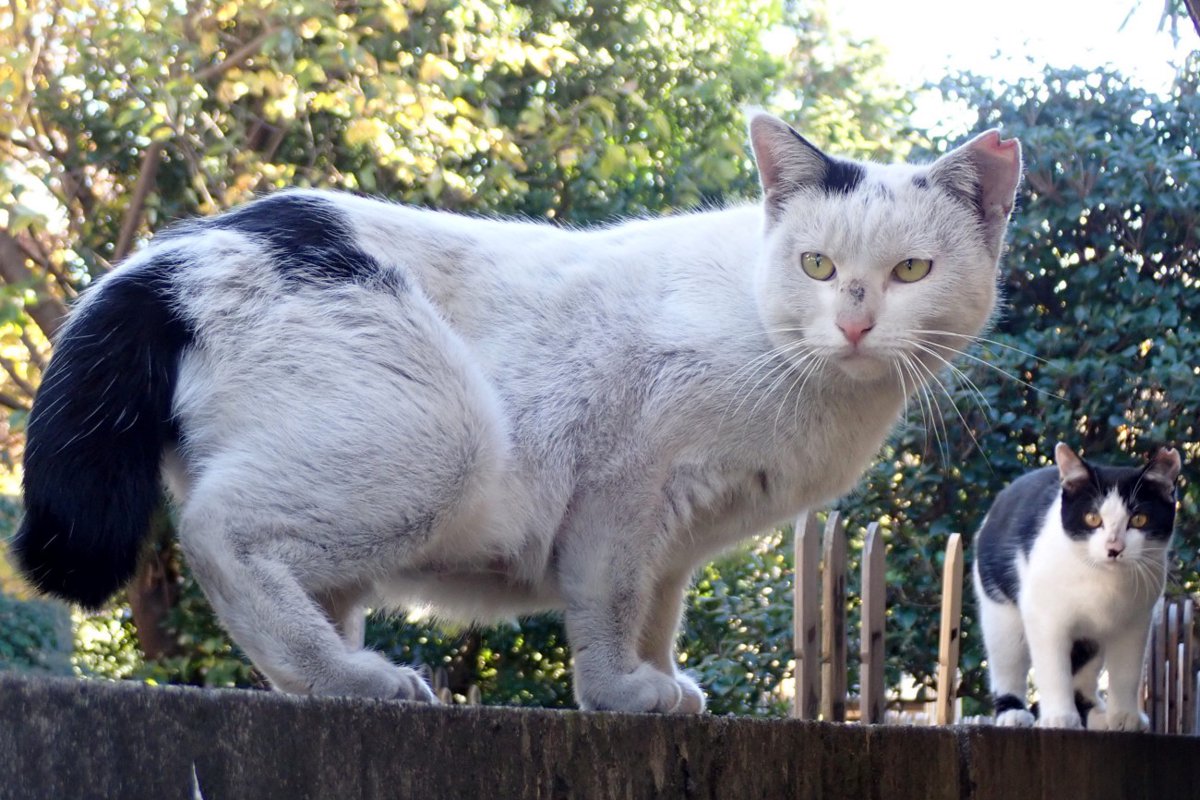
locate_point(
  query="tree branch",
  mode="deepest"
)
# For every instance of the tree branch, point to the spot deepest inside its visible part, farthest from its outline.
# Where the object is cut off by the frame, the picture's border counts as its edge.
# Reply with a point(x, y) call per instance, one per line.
point(48, 312)
point(35, 355)
point(141, 190)
point(237, 57)
point(24, 385)
point(8, 401)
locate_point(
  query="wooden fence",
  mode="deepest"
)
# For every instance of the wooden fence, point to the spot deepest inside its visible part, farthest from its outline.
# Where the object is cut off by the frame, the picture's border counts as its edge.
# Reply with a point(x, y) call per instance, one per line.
point(1171, 687)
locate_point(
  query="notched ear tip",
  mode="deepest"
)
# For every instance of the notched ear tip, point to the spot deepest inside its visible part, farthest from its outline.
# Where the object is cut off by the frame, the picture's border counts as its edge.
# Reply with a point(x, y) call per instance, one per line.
point(1166, 461)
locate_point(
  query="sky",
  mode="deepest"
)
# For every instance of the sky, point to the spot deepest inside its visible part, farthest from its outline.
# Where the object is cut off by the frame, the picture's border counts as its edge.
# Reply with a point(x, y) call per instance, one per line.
point(928, 38)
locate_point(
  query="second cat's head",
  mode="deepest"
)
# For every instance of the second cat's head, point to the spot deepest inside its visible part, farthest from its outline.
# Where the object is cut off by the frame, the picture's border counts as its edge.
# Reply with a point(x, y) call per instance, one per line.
point(1118, 515)
point(880, 270)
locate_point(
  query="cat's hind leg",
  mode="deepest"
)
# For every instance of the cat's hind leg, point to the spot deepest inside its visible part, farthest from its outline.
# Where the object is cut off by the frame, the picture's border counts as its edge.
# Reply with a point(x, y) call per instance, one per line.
point(1008, 661)
point(1087, 659)
point(282, 627)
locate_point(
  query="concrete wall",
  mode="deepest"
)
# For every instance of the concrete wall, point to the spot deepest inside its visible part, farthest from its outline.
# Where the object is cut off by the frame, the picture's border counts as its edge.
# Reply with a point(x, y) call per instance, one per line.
point(87, 739)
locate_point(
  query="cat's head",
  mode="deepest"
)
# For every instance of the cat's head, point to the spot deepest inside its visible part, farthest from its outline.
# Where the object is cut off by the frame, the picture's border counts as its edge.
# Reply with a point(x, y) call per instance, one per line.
point(1119, 514)
point(881, 270)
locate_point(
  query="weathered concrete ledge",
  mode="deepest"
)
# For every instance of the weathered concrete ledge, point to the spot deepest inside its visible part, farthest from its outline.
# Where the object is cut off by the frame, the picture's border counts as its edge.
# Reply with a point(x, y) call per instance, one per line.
point(62, 738)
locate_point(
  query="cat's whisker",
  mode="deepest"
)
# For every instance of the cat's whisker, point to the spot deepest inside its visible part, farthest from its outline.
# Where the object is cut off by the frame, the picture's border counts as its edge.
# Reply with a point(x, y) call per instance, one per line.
point(919, 395)
point(802, 379)
point(966, 425)
point(1002, 371)
point(982, 401)
point(757, 365)
point(937, 420)
point(981, 340)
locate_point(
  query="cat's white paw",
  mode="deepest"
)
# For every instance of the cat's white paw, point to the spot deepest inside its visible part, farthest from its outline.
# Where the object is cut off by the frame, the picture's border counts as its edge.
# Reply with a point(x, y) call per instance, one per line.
point(1127, 721)
point(1097, 719)
point(693, 700)
point(644, 689)
point(1015, 718)
point(1068, 719)
point(413, 687)
point(364, 673)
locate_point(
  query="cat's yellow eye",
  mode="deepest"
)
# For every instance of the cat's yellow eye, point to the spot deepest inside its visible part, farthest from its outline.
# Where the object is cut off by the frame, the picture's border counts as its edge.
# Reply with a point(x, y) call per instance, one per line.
point(1092, 519)
point(817, 266)
point(1138, 521)
point(911, 270)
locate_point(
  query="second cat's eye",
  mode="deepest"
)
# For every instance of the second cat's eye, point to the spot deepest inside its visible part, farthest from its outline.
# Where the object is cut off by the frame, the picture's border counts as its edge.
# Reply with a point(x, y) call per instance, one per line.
point(817, 266)
point(911, 270)
point(1092, 519)
point(1138, 521)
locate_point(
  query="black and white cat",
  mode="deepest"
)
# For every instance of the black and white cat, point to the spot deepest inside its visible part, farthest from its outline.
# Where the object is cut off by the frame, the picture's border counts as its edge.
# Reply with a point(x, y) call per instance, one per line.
point(1069, 564)
point(360, 404)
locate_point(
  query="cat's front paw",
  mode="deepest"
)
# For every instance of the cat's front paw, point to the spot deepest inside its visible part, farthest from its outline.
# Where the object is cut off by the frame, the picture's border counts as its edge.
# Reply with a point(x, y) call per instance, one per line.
point(1127, 721)
point(1069, 719)
point(644, 689)
point(693, 700)
point(1015, 718)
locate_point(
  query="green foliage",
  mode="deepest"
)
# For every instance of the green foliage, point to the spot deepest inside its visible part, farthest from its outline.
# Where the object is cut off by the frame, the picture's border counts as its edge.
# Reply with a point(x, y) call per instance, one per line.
point(35, 636)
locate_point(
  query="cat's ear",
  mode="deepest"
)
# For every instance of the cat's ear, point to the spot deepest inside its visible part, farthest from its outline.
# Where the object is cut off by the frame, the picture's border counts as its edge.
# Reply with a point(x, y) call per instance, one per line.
point(1163, 469)
point(786, 160)
point(984, 173)
point(1073, 474)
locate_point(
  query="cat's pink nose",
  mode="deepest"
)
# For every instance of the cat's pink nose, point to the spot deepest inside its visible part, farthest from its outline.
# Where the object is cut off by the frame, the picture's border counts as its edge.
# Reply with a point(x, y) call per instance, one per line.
point(1115, 549)
point(855, 330)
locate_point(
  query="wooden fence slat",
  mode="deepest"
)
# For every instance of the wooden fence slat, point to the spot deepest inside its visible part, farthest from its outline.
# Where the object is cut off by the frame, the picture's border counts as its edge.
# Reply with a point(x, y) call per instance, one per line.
point(806, 620)
point(1158, 694)
point(949, 640)
point(474, 698)
point(1188, 641)
point(833, 621)
point(874, 607)
point(1172, 693)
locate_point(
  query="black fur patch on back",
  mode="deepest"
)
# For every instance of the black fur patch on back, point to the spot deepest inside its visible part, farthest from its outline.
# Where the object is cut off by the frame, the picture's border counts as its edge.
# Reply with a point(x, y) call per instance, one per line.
point(96, 435)
point(1012, 525)
point(312, 240)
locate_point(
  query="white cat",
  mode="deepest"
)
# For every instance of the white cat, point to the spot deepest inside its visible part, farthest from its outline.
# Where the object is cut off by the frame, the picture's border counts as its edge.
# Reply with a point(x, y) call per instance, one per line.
point(1069, 563)
point(362, 404)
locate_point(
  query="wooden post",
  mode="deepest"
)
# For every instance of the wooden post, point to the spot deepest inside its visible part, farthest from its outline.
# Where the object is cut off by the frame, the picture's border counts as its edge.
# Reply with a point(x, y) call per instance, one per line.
point(806, 621)
point(874, 607)
point(833, 622)
point(948, 645)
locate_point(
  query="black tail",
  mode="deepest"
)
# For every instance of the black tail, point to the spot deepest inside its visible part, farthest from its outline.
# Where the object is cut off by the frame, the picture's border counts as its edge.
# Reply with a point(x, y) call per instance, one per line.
point(95, 437)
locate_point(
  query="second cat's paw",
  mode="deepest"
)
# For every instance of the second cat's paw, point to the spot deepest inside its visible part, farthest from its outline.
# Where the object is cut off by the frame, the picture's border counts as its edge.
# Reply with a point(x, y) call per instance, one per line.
point(1127, 721)
point(1015, 718)
point(1068, 719)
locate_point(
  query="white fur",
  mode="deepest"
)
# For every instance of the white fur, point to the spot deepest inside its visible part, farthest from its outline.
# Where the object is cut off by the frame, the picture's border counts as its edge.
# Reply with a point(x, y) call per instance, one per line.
point(545, 419)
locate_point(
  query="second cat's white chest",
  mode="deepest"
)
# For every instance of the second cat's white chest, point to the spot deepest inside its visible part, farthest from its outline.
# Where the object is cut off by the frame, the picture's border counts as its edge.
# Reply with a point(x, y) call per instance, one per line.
point(1082, 599)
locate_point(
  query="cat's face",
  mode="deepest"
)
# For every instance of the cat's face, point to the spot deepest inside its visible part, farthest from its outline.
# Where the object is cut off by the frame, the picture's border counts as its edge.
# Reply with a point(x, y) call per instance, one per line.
point(1118, 516)
point(880, 270)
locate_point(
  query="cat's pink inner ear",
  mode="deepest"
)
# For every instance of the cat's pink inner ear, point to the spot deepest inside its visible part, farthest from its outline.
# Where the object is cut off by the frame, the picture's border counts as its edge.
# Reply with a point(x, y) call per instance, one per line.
point(1071, 469)
point(1166, 465)
point(999, 164)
